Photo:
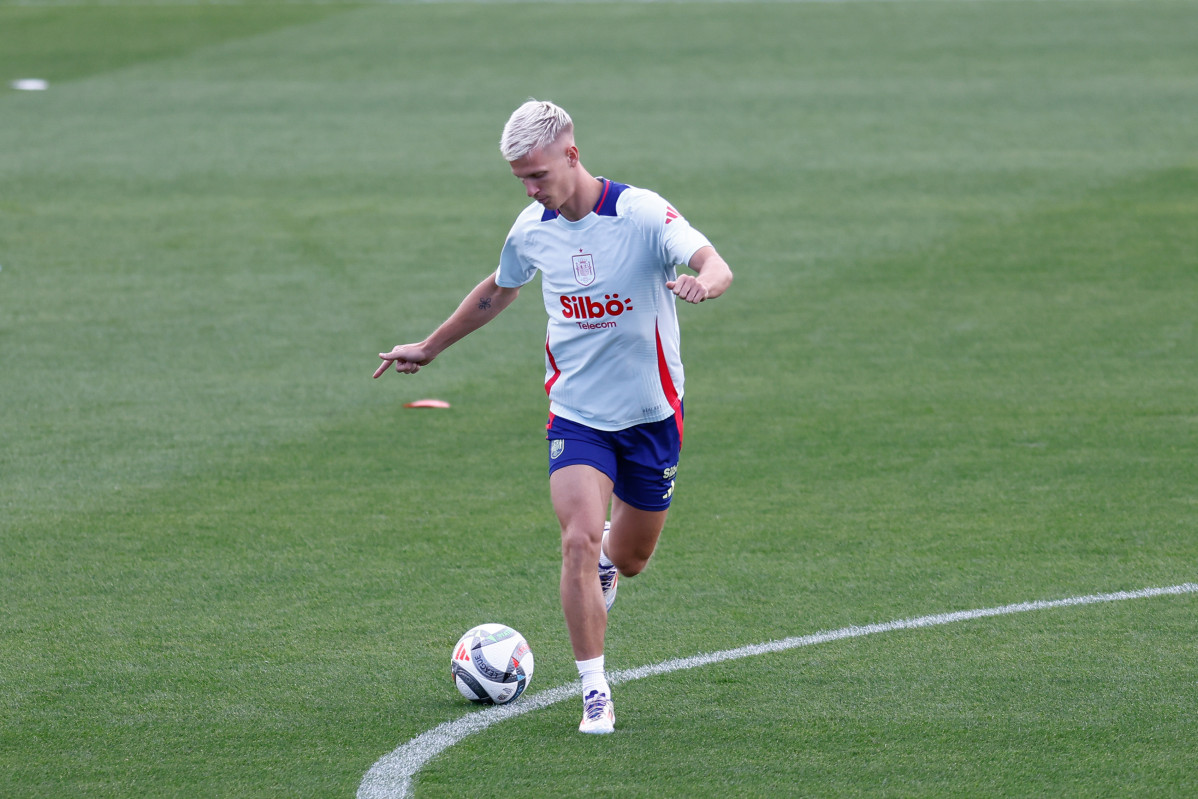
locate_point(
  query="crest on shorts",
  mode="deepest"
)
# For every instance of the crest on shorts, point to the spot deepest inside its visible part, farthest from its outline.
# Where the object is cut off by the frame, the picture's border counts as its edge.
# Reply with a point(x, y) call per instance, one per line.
point(584, 268)
point(556, 447)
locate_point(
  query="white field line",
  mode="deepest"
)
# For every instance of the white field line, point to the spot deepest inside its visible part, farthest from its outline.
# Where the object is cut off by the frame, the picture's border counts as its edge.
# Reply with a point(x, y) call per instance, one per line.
point(391, 777)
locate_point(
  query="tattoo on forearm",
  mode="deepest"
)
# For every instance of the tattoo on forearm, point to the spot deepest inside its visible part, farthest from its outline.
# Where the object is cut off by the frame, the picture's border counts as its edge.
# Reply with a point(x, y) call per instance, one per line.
point(484, 304)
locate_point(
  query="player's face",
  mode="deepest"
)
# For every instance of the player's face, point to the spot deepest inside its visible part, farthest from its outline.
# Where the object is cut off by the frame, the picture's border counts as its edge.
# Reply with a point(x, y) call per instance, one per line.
point(546, 174)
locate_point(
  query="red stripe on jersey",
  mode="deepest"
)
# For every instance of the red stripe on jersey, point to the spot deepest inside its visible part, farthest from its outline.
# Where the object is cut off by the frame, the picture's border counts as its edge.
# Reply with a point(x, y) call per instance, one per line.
point(556, 372)
point(603, 196)
point(667, 384)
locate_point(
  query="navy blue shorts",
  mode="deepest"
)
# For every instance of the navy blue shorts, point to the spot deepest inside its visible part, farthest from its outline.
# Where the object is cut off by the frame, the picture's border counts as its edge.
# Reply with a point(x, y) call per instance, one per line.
point(641, 461)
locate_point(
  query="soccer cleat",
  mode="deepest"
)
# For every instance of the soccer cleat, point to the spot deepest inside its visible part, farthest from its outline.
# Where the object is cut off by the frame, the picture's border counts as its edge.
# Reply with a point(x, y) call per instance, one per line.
point(608, 575)
point(598, 714)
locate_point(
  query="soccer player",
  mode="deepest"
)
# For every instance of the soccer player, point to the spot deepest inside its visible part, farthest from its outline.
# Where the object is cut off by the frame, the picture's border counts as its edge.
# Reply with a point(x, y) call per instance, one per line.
point(608, 255)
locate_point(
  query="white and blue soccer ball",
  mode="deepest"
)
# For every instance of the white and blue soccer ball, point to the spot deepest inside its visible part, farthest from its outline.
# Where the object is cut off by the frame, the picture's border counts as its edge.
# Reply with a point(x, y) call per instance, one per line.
point(491, 664)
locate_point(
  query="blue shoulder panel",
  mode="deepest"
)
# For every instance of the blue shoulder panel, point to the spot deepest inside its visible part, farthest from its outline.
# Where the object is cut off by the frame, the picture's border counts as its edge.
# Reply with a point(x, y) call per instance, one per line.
point(607, 201)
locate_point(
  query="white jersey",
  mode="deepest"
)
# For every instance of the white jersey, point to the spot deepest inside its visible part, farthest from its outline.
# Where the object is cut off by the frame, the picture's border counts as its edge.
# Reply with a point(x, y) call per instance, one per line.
point(612, 356)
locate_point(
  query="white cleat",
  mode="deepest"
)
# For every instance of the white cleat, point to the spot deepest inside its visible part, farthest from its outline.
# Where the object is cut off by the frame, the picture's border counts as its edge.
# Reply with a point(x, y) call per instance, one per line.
point(598, 714)
point(608, 575)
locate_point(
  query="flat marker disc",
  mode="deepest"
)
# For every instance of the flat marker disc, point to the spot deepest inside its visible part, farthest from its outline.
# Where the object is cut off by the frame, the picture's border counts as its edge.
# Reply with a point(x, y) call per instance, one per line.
point(427, 403)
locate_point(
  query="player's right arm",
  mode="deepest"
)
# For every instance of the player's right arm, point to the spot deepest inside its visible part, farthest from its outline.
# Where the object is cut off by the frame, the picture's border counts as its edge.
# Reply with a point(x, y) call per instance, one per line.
point(480, 306)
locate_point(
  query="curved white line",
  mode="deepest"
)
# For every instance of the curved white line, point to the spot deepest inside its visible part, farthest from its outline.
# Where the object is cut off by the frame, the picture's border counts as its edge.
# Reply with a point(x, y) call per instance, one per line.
point(391, 777)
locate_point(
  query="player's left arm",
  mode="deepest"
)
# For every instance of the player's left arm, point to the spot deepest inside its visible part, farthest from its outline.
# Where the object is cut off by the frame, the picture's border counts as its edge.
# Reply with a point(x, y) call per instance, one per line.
point(712, 277)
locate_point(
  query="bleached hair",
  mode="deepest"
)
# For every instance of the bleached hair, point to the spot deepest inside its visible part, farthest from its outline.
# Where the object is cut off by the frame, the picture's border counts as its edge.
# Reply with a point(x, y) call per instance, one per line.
point(533, 126)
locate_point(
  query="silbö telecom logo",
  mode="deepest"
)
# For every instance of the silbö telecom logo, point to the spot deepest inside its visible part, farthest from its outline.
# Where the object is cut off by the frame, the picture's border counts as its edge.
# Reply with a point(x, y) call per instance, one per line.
point(580, 308)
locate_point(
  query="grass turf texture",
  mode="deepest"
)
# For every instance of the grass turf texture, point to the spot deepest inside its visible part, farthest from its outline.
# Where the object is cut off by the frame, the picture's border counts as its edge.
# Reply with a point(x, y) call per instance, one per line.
point(957, 370)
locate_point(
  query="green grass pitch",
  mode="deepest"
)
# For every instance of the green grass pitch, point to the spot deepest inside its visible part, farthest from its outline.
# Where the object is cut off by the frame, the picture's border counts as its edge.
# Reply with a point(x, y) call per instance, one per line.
point(958, 369)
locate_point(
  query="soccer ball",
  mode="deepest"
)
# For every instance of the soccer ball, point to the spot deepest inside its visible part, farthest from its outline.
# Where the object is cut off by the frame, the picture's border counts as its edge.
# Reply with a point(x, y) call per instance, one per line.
point(491, 664)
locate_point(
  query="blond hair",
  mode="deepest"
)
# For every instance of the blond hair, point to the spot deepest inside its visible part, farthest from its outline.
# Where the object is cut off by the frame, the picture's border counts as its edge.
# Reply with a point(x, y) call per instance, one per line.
point(533, 126)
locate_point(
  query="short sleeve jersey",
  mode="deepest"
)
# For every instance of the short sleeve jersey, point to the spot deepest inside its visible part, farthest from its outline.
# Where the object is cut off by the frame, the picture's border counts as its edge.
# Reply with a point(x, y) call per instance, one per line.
point(612, 357)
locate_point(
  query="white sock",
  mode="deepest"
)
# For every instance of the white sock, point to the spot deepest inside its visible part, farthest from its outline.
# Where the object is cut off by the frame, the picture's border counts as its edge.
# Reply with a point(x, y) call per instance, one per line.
point(593, 678)
point(604, 561)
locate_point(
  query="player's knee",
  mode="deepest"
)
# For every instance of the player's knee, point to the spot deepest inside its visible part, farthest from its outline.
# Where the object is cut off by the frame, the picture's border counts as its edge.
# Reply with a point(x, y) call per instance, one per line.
point(630, 564)
point(579, 545)
point(632, 568)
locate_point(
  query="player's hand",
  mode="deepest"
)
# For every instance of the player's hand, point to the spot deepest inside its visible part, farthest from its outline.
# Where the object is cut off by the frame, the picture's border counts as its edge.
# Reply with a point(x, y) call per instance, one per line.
point(406, 358)
point(688, 288)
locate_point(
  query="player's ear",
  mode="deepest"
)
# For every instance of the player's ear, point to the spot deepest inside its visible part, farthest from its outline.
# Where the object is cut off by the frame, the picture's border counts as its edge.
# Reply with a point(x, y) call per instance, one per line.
point(572, 154)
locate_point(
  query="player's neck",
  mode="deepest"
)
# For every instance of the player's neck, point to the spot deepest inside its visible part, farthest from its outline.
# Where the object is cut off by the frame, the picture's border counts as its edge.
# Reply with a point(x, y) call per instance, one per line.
point(585, 199)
